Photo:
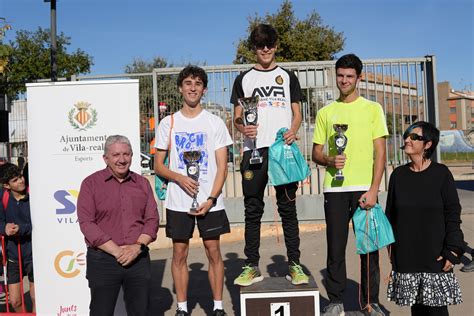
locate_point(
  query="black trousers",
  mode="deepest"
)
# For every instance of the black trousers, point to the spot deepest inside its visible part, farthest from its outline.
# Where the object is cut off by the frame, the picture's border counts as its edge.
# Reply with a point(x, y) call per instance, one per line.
point(423, 310)
point(254, 181)
point(106, 276)
point(338, 209)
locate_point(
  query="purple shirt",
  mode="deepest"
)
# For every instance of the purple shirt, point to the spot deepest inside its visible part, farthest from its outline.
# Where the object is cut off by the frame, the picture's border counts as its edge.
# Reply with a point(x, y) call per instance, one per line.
point(110, 210)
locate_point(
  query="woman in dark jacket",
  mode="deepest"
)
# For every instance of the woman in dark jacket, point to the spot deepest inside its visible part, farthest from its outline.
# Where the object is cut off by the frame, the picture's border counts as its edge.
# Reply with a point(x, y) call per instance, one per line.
point(423, 208)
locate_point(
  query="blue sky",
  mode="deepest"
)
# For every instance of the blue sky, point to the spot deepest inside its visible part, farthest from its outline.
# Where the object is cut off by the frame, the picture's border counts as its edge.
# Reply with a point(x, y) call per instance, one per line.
point(183, 31)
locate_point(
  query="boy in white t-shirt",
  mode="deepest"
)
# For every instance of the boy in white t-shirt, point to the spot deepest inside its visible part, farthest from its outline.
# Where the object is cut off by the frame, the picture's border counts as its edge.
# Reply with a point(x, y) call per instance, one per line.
point(194, 129)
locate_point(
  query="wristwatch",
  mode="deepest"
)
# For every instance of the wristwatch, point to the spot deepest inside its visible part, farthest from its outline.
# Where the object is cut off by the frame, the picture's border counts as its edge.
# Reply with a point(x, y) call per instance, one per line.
point(143, 248)
point(213, 200)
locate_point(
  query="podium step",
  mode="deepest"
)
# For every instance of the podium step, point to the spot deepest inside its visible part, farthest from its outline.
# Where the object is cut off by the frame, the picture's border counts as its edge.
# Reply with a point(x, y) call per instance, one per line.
point(278, 297)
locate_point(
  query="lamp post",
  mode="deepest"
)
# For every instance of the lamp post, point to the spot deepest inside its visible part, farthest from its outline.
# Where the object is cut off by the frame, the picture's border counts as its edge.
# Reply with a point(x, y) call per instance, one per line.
point(54, 66)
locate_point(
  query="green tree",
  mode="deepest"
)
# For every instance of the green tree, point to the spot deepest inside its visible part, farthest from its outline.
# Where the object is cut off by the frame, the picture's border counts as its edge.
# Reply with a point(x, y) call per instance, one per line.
point(142, 66)
point(167, 92)
point(30, 57)
point(4, 49)
point(166, 84)
point(299, 40)
point(390, 123)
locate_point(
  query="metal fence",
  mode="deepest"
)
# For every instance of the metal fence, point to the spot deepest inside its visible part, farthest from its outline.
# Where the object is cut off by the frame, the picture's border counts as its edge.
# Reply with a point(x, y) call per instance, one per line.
point(16, 150)
point(404, 87)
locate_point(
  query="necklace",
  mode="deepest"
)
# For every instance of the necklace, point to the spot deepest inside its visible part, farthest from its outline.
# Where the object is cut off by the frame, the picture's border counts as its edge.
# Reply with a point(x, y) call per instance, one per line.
point(423, 165)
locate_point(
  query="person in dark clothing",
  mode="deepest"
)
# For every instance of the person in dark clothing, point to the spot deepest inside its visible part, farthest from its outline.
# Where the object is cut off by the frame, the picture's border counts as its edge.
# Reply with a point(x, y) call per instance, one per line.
point(279, 105)
point(15, 225)
point(21, 161)
point(423, 208)
point(26, 175)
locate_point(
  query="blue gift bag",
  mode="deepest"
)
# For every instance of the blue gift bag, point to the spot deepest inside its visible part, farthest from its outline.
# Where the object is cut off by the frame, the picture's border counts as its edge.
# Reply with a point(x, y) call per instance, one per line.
point(286, 164)
point(372, 229)
point(161, 184)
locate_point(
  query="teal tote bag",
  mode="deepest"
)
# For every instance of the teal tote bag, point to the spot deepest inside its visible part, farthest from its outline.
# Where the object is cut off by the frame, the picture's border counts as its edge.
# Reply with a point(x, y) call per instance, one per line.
point(286, 164)
point(372, 229)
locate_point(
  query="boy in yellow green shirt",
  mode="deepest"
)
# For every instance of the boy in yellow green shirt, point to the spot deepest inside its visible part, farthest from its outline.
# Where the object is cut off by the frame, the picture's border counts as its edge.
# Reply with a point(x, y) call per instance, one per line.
point(363, 164)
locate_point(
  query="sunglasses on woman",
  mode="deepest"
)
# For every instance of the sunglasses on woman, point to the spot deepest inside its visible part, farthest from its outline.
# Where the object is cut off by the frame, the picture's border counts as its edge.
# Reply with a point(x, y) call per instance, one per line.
point(414, 136)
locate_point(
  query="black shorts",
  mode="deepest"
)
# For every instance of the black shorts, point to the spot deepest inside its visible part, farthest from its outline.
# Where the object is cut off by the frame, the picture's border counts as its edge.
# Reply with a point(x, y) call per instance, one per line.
point(180, 225)
point(13, 271)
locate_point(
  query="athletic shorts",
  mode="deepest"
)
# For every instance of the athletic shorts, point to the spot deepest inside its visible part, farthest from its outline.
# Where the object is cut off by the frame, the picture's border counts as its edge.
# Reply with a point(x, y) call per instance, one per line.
point(180, 225)
point(13, 271)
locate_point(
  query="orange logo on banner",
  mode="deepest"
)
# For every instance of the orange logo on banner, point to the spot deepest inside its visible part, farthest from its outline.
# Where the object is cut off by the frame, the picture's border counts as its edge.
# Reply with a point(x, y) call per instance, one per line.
point(82, 117)
point(66, 263)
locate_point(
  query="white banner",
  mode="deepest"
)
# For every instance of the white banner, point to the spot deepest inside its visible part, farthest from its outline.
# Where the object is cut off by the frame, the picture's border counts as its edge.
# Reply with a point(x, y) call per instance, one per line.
point(68, 123)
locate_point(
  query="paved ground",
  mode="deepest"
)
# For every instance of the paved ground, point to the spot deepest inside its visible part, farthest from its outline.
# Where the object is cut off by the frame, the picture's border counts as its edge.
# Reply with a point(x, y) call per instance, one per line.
point(313, 246)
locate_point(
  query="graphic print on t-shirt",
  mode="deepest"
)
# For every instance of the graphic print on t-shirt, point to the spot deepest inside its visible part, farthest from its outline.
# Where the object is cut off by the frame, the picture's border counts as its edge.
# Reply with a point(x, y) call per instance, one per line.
point(273, 96)
point(192, 141)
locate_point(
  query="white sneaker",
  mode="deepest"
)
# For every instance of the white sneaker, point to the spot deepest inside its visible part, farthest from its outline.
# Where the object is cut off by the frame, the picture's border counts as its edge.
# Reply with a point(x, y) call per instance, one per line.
point(334, 309)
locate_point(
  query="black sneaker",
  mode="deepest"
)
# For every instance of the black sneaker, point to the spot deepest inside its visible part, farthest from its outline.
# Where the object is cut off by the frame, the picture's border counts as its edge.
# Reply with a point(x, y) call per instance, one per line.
point(219, 312)
point(180, 312)
point(468, 267)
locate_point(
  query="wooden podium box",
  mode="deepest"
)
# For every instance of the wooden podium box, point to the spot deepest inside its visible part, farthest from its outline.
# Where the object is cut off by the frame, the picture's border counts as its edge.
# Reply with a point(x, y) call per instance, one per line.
point(278, 297)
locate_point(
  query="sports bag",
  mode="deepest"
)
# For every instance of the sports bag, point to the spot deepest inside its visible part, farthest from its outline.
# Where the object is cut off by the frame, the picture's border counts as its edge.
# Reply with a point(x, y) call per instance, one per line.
point(372, 229)
point(286, 164)
point(161, 184)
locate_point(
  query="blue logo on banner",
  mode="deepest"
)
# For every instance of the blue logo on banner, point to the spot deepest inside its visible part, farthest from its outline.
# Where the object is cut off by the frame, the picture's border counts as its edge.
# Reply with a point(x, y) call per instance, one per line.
point(66, 213)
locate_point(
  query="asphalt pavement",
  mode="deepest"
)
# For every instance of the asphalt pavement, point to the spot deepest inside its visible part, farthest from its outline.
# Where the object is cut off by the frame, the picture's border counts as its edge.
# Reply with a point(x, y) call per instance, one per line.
point(273, 263)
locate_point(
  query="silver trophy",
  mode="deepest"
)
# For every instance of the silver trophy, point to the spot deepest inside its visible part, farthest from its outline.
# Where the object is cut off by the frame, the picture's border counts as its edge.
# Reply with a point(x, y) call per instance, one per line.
point(341, 142)
point(250, 106)
point(191, 158)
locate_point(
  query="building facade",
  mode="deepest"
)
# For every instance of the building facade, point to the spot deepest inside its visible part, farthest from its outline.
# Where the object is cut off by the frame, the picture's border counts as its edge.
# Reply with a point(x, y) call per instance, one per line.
point(456, 108)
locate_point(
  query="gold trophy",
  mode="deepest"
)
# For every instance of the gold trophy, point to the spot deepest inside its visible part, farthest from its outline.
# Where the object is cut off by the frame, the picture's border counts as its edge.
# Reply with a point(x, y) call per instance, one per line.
point(191, 159)
point(340, 141)
point(250, 106)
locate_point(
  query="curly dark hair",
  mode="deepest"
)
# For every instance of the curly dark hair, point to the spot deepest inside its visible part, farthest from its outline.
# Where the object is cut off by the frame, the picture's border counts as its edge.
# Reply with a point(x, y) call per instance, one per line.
point(9, 171)
point(193, 71)
point(430, 134)
point(350, 61)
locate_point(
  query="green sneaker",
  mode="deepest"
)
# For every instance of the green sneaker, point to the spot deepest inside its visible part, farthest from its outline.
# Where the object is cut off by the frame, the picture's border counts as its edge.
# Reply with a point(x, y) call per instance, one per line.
point(297, 276)
point(249, 276)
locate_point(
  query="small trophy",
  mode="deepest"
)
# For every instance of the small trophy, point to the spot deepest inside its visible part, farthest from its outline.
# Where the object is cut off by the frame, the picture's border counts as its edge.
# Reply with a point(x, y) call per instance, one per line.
point(341, 142)
point(250, 106)
point(191, 159)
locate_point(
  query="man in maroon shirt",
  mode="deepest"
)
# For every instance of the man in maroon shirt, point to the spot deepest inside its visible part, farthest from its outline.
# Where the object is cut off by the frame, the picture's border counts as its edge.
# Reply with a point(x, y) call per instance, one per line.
point(118, 216)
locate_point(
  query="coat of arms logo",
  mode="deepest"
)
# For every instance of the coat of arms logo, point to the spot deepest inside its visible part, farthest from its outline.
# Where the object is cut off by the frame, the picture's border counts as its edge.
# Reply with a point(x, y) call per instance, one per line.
point(82, 116)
